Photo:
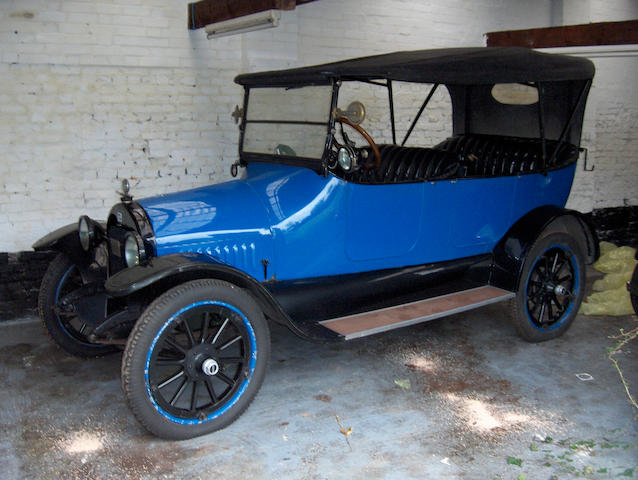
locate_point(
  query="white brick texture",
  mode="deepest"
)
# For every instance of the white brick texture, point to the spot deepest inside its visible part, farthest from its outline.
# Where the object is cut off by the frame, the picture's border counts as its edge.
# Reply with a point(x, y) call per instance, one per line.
point(94, 90)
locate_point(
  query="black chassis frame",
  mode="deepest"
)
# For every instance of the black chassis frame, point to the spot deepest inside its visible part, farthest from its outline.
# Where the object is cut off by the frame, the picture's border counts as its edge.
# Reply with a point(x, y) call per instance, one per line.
point(110, 305)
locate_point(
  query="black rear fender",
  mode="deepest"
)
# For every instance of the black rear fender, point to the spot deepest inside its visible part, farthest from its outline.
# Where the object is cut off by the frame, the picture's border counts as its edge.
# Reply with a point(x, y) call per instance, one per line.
point(511, 251)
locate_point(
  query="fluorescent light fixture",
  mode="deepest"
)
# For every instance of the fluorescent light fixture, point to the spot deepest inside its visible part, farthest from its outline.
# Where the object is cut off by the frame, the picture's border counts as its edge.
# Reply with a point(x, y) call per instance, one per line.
point(247, 23)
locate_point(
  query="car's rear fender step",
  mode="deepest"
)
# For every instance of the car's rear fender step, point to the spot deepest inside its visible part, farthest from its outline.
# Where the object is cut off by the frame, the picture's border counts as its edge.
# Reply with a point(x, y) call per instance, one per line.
point(368, 323)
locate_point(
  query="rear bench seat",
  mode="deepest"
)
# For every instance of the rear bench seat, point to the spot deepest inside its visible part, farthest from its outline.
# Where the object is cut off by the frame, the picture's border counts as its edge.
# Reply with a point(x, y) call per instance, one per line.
point(493, 156)
point(463, 156)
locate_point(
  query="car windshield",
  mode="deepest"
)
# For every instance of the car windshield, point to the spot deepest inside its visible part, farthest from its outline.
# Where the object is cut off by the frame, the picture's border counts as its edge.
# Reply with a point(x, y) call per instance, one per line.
point(287, 121)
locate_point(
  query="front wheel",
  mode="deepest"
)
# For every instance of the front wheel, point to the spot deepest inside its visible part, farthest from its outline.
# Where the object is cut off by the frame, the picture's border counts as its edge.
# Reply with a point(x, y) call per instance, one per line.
point(65, 328)
point(195, 359)
point(550, 289)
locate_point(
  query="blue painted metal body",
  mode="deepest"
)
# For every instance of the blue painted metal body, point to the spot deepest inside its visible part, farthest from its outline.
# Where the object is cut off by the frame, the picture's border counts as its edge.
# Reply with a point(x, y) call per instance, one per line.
point(304, 225)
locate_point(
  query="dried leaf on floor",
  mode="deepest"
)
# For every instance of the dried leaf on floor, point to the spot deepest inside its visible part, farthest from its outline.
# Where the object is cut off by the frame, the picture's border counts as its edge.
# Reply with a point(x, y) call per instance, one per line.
point(404, 384)
point(345, 432)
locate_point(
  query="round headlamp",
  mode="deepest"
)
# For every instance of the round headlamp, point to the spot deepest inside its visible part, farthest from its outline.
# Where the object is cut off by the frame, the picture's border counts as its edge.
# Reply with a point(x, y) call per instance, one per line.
point(86, 232)
point(345, 158)
point(134, 251)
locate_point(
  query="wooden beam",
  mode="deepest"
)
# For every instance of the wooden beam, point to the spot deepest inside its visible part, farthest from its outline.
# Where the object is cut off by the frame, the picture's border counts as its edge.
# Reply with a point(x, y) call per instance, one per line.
point(604, 33)
point(205, 12)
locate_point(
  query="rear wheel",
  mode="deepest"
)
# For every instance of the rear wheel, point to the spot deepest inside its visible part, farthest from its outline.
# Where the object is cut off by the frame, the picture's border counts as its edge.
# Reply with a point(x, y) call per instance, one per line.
point(195, 359)
point(551, 288)
point(65, 328)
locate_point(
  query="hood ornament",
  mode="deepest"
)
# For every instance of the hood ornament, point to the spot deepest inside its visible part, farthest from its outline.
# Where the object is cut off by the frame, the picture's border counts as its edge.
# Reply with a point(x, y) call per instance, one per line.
point(124, 194)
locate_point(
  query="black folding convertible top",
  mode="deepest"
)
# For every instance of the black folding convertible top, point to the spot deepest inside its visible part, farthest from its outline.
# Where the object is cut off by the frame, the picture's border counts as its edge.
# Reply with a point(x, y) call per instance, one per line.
point(449, 66)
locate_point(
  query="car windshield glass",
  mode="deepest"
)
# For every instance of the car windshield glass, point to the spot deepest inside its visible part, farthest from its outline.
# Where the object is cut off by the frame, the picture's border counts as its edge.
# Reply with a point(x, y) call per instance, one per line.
point(289, 122)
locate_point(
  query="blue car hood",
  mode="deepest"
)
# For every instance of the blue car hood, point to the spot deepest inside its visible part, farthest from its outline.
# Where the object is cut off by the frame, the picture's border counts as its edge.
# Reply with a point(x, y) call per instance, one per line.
point(180, 216)
point(226, 220)
point(244, 223)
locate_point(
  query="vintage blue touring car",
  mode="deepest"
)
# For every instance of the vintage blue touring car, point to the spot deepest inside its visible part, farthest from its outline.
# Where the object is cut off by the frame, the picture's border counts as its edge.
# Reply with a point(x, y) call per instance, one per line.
point(332, 237)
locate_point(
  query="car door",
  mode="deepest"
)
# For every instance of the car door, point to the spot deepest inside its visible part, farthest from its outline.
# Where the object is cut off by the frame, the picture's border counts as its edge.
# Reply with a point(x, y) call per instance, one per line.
point(481, 211)
point(383, 222)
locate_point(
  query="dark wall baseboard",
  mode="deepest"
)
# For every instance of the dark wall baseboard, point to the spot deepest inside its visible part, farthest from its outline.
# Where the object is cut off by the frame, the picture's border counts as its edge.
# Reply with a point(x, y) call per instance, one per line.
point(20, 277)
point(22, 272)
point(617, 225)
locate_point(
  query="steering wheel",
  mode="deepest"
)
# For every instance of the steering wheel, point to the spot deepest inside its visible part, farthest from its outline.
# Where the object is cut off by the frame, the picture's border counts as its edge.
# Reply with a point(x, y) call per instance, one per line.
point(368, 138)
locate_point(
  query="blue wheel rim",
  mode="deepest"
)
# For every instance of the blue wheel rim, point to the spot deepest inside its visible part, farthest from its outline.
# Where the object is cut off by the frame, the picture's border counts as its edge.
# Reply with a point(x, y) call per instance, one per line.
point(552, 288)
point(192, 407)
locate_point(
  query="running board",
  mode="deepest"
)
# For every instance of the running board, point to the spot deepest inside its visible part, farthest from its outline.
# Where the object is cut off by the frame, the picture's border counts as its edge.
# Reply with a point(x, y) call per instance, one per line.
point(368, 323)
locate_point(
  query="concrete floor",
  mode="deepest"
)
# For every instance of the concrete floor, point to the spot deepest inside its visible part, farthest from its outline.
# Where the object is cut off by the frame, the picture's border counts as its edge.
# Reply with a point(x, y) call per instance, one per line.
point(461, 397)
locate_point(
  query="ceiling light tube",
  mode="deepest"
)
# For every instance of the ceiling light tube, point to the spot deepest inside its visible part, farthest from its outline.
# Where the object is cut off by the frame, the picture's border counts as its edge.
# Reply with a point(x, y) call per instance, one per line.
point(247, 23)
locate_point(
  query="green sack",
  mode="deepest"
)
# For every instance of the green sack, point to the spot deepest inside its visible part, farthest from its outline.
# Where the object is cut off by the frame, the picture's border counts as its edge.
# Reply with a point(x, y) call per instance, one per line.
point(606, 247)
point(616, 260)
point(612, 281)
point(610, 302)
point(610, 295)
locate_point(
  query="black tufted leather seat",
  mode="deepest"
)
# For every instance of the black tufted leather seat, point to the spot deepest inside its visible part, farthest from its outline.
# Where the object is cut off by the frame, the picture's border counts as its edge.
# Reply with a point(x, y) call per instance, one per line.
point(463, 156)
point(491, 155)
point(410, 164)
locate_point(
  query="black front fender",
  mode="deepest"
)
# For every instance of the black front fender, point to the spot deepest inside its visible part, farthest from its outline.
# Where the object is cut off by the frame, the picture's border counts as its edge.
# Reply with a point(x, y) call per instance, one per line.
point(65, 238)
point(67, 241)
point(170, 270)
point(133, 279)
point(62, 239)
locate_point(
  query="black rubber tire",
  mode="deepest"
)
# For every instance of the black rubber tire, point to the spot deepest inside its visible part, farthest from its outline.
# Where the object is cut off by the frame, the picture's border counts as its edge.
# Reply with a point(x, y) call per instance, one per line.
point(634, 298)
point(521, 317)
point(163, 315)
point(67, 337)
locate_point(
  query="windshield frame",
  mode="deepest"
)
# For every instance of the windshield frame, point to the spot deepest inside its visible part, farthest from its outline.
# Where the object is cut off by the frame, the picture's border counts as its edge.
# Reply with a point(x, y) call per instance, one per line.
point(317, 164)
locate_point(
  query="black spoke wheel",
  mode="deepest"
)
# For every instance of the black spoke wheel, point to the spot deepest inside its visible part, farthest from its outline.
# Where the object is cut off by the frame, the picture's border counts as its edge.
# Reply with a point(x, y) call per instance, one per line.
point(65, 328)
point(550, 289)
point(196, 359)
point(200, 361)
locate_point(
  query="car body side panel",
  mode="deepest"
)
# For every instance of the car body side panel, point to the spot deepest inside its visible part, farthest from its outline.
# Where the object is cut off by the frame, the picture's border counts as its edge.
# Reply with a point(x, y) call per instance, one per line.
point(536, 190)
point(294, 223)
point(383, 221)
point(480, 212)
point(307, 217)
point(325, 226)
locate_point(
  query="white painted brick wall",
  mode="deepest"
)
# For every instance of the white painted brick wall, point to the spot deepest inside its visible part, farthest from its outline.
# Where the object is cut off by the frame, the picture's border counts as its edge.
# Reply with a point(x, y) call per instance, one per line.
point(616, 141)
point(612, 113)
point(94, 90)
